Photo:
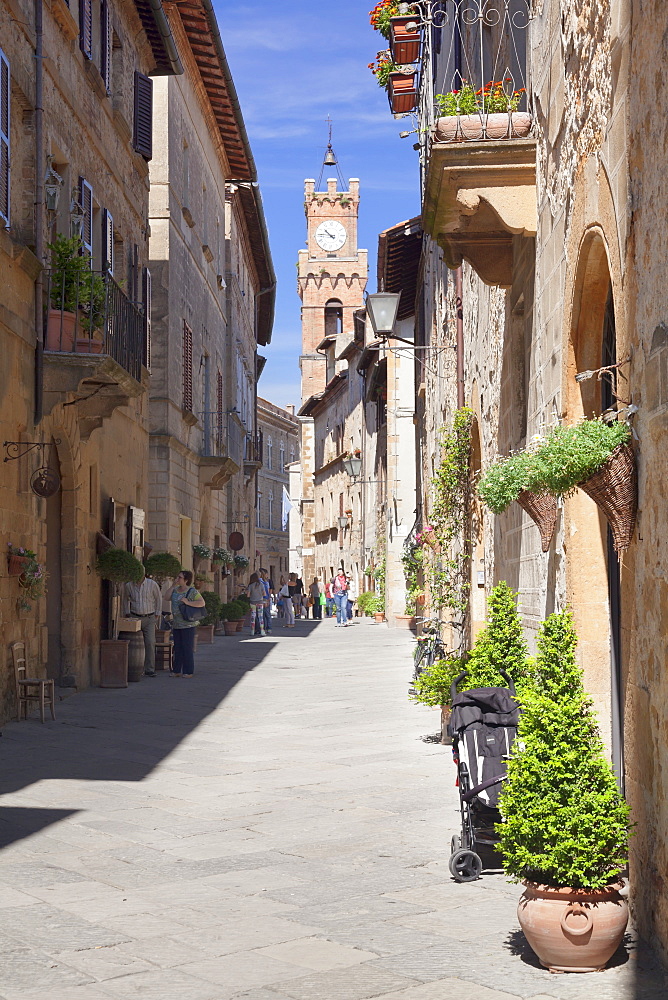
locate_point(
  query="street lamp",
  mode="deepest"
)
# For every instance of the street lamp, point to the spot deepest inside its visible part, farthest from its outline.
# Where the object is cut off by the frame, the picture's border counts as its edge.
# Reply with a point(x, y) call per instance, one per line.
point(352, 466)
point(382, 308)
point(343, 522)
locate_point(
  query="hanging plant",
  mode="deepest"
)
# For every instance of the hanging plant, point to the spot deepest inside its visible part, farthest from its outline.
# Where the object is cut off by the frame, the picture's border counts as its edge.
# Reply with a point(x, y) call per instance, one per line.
point(202, 551)
point(241, 562)
point(381, 16)
point(31, 574)
point(222, 556)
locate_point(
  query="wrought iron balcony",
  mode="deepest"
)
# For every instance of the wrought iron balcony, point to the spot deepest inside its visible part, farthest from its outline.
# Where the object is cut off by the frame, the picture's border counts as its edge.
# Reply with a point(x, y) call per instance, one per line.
point(253, 453)
point(94, 338)
point(477, 150)
point(222, 449)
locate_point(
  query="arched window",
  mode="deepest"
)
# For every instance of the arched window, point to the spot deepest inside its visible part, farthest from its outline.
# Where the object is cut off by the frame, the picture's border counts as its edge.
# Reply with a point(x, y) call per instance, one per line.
point(258, 522)
point(271, 511)
point(270, 452)
point(333, 318)
point(282, 454)
point(292, 453)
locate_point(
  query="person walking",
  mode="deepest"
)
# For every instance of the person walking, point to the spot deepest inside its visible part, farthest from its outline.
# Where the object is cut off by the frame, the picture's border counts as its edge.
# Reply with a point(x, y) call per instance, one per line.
point(297, 594)
point(340, 593)
point(280, 602)
point(268, 584)
point(183, 631)
point(315, 598)
point(256, 596)
point(288, 607)
point(329, 600)
point(352, 597)
point(143, 600)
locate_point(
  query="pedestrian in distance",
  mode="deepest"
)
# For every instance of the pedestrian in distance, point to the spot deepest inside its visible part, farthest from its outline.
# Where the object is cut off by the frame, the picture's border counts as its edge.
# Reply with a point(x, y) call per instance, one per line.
point(268, 584)
point(329, 599)
point(352, 597)
point(143, 600)
point(280, 602)
point(295, 595)
point(340, 593)
point(306, 604)
point(183, 631)
point(256, 596)
point(288, 607)
point(316, 594)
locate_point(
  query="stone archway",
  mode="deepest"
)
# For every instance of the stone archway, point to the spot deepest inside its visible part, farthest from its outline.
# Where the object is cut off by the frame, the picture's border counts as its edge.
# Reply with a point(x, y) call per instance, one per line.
point(588, 563)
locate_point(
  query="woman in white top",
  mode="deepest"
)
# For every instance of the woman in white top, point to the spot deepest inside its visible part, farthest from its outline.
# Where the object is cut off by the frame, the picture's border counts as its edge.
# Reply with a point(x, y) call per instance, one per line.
point(255, 591)
point(288, 607)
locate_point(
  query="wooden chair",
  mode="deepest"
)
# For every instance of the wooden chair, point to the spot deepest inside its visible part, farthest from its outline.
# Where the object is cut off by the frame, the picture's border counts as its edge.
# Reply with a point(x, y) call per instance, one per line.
point(31, 688)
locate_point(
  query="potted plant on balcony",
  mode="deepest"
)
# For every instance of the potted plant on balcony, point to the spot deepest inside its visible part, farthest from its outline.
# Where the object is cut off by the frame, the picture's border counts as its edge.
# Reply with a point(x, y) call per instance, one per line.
point(487, 113)
point(399, 81)
point(77, 298)
point(565, 823)
point(404, 35)
point(206, 625)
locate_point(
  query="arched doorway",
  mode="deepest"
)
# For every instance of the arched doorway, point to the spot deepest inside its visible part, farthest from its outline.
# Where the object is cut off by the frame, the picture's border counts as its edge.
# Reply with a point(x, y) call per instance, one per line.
point(593, 574)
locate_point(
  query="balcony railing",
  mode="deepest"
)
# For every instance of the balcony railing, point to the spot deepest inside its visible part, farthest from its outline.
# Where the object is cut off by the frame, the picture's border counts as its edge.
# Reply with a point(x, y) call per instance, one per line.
point(92, 315)
point(221, 435)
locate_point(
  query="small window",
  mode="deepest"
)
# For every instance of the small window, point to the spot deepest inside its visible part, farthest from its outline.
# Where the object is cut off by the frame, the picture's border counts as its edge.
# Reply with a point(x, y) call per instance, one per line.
point(146, 295)
point(271, 511)
point(107, 242)
point(86, 27)
point(86, 202)
point(258, 523)
point(282, 455)
point(106, 43)
point(5, 94)
point(143, 125)
point(270, 452)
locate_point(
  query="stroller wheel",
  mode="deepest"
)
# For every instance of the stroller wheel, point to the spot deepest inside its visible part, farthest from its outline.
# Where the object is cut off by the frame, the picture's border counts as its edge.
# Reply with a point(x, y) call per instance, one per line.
point(465, 866)
point(455, 843)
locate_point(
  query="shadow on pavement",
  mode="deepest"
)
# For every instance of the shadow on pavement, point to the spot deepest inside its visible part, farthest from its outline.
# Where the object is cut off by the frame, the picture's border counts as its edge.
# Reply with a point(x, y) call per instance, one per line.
point(118, 734)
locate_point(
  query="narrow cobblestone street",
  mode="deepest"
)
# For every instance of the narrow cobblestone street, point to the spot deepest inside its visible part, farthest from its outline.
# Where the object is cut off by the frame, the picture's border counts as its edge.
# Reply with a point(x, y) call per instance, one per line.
point(277, 827)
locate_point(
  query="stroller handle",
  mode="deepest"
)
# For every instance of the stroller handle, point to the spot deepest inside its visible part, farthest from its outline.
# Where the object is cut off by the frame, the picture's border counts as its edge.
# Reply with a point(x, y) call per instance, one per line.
point(457, 680)
point(506, 676)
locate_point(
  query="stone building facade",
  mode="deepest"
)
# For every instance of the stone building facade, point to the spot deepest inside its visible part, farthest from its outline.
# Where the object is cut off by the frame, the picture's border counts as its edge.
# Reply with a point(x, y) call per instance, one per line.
point(75, 406)
point(543, 261)
point(213, 288)
point(279, 440)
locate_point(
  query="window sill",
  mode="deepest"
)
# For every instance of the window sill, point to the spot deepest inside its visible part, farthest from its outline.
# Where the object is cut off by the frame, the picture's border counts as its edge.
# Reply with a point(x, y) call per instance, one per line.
point(63, 17)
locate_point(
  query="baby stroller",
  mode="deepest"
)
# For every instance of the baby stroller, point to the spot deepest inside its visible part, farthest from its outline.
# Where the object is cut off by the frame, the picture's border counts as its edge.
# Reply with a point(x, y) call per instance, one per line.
point(483, 726)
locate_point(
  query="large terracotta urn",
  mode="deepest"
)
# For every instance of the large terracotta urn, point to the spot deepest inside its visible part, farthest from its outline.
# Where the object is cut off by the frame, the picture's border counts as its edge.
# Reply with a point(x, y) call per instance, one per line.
point(573, 930)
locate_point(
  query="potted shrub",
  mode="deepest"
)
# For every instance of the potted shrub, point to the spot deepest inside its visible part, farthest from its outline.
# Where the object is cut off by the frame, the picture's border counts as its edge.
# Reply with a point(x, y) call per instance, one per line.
point(77, 298)
point(376, 607)
point(500, 645)
point(118, 566)
point(243, 602)
point(162, 566)
point(488, 113)
point(432, 687)
point(229, 623)
point(206, 625)
point(363, 602)
point(565, 823)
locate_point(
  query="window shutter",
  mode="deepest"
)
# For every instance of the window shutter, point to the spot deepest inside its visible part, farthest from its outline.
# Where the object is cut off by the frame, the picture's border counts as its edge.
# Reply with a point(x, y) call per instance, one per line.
point(187, 368)
point(86, 27)
point(105, 43)
point(143, 126)
point(146, 295)
point(86, 200)
point(4, 138)
point(108, 241)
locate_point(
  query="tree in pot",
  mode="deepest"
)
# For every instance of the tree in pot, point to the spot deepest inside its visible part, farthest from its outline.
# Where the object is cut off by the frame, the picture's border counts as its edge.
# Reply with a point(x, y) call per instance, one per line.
point(499, 646)
point(232, 613)
point(213, 605)
point(77, 297)
point(162, 566)
point(565, 824)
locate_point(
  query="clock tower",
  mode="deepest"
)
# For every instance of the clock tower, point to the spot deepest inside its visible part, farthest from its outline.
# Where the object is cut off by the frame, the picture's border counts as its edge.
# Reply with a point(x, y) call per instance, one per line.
point(332, 276)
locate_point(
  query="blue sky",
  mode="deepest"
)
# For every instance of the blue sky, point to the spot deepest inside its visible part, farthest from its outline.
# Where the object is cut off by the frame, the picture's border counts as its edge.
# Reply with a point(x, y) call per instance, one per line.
point(295, 63)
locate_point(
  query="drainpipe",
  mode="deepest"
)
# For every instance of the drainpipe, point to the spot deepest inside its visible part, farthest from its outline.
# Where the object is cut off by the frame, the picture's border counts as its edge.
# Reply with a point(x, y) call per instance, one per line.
point(39, 210)
point(459, 305)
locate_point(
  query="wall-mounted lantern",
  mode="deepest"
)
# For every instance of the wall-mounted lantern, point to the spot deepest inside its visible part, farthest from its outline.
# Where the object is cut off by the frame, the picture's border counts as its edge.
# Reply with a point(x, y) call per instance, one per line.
point(52, 185)
point(382, 308)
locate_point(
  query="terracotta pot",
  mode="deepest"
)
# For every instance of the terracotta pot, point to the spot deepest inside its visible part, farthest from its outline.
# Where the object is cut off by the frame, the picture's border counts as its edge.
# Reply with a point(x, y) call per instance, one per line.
point(573, 930)
point(17, 564)
point(60, 327)
point(230, 628)
point(88, 345)
point(457, 128)
point(240, 625)
point(404, 45)
point(205, 633)
point(405, 621)
point(401, 92)
point(379, 618)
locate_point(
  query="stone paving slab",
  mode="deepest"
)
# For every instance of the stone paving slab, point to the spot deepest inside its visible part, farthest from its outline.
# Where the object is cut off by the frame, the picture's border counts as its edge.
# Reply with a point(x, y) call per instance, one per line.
point(280, 832)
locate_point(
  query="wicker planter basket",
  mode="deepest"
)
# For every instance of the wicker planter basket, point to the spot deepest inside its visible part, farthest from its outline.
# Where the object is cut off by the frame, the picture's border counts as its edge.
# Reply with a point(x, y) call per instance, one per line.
point(542, 509)
point(614, 489)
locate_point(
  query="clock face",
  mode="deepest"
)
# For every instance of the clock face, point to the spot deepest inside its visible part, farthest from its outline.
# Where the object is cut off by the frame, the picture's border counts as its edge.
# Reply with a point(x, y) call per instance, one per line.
point(330, 235)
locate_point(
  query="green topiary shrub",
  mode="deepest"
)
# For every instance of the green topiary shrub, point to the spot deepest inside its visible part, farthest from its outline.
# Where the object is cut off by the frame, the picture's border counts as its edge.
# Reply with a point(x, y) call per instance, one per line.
point(363, 601)
point(162, 566)
point(499, 646)
point(233, 612)
point(565, 822)
point(213, 605)
point(119, 566)
point(432, 687)
point(376, 605)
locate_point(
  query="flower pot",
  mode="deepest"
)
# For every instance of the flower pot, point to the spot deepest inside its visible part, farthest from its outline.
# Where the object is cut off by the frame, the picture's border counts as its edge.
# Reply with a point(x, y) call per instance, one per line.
point(88, 345)
point(60, 327)
point(240, 625)
point(205, 633)
point(504, 125)
point(573, 930)
point(614, 490)
point(405, 44)
point(17, 564)
point(542, 509)
point(379, 618)
point(402, 92)
point(404, 621)
point(230, 628)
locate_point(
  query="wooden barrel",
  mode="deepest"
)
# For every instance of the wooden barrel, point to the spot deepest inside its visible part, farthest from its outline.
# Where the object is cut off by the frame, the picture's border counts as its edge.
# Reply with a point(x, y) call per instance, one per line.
point(135, 654)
